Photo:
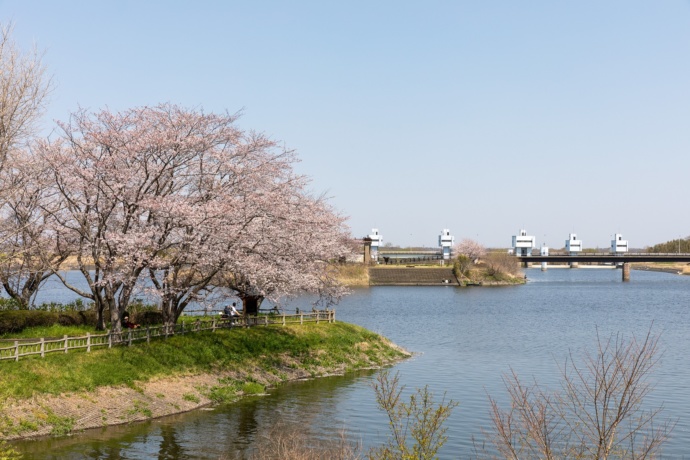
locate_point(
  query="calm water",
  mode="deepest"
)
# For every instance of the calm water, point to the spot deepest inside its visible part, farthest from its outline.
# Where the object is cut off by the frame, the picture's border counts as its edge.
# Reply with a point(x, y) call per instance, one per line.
point(467, 338)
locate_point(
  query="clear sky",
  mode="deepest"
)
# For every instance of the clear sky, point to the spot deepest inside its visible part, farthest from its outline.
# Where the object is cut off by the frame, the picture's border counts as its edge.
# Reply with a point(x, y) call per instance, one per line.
point(483, 117)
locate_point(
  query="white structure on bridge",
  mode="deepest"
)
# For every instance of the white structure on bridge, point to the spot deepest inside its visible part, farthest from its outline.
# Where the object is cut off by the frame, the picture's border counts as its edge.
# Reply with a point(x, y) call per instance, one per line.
point(523, 244)
point(445, 241)
point(618, 244)
point(376, 241)
point(574, 247)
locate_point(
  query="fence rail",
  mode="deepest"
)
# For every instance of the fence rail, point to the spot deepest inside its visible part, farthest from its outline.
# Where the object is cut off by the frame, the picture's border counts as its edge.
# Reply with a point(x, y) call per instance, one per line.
point(23, 347)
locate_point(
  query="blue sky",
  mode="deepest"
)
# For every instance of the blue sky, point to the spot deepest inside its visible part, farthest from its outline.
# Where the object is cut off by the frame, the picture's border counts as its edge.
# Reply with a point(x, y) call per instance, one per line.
point(483, 117)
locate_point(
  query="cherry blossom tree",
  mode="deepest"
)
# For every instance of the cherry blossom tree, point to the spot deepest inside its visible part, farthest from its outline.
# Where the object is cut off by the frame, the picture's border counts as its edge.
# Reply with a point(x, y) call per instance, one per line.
point(31, 248)
point(470, 248)
point(23, 90)
point(290, 250)
point(233, 187)
point(182, 196)
point(128, 182)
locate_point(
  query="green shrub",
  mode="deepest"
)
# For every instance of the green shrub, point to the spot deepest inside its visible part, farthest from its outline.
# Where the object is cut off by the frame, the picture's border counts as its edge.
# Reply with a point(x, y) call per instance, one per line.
point(148, 317)
point(253, 388)
point(12, 321)
point(77, 305)
point(9, 304)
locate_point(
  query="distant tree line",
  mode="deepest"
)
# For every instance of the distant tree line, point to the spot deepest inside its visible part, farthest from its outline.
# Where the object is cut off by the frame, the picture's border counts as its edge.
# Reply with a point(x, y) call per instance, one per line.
point(681, 245)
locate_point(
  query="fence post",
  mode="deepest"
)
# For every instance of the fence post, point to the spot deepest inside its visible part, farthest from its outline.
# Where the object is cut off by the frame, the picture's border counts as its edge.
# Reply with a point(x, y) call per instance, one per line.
point(148, 334)
point(301, 318)
point(16, 350)
point(66, 338)
point(266, 320)
point(318, 315)
point(43, 347)
point(129, 338)
point(283, 319)
point(110, 339)
point(88, 342)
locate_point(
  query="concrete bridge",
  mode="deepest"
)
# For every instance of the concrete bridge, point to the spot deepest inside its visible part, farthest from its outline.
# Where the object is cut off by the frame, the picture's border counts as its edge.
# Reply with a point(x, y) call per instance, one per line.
point(622, 258)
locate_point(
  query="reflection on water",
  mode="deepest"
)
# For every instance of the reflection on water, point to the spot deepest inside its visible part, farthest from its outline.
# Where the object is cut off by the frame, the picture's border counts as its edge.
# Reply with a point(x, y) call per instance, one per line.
point(467, 338)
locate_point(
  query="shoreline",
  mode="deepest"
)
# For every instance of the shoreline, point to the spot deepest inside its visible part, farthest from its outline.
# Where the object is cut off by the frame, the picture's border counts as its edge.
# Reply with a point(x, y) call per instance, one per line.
point(48, 415)
point(114, 406)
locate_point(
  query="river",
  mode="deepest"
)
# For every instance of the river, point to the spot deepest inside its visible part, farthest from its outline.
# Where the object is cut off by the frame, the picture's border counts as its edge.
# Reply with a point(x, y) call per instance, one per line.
point(466, 339)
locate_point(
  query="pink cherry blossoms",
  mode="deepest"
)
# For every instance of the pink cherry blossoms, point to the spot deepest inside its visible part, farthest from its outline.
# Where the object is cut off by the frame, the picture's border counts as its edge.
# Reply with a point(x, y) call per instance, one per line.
point(176, 203)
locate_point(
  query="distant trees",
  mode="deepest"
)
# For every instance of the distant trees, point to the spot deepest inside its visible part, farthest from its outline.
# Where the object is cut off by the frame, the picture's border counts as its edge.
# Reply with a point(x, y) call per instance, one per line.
point(681, 245)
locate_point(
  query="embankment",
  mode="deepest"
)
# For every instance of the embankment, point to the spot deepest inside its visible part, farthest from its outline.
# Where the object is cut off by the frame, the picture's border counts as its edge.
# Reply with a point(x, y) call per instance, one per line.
point(63, 394)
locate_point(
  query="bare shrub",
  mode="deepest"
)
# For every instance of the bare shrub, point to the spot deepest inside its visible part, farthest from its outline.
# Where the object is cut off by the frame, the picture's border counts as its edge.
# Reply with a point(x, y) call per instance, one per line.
point(501, 264)
point(597, 413)
point(416, 427)
point(23, 91)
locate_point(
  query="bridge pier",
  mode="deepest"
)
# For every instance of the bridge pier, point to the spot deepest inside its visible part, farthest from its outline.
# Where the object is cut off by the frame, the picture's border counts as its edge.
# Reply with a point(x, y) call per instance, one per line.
point(626, 271)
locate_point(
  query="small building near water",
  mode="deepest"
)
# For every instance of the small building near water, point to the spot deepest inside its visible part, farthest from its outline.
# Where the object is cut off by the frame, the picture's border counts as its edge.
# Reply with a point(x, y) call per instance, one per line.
point(376, 242)
point(445, 242)
point(523, 244)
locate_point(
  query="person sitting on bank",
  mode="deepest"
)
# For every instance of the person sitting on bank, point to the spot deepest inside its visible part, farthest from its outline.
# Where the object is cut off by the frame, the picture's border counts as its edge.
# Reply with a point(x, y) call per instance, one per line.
point(233, 310)
point(227, 312)
point(126, 323)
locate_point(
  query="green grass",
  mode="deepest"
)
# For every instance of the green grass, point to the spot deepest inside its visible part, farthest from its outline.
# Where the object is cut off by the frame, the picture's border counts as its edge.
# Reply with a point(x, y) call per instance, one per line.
point(55, 331)
point(253, 388)
point(312, 345)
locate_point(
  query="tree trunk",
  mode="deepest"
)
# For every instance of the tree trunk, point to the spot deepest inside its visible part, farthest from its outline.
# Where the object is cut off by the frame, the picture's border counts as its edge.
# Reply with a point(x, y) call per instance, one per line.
point(100, 319)
point(168, 310)
point(251, 304)
point(115, 319)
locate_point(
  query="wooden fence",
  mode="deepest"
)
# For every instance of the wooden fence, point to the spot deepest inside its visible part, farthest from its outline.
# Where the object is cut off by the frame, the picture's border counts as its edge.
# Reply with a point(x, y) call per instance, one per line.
point(31, 347)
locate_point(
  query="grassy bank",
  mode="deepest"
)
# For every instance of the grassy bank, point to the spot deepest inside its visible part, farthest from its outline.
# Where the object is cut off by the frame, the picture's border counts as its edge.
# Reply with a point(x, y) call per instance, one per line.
point(680, 268)
point(64, 393)
point(353, 274)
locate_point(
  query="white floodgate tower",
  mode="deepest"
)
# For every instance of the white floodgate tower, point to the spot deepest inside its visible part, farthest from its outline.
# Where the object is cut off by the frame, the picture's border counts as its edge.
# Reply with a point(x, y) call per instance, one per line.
point(573, 246)
point(618, 244)
point(523, 244)
point(376, 241)
point(445, 242)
